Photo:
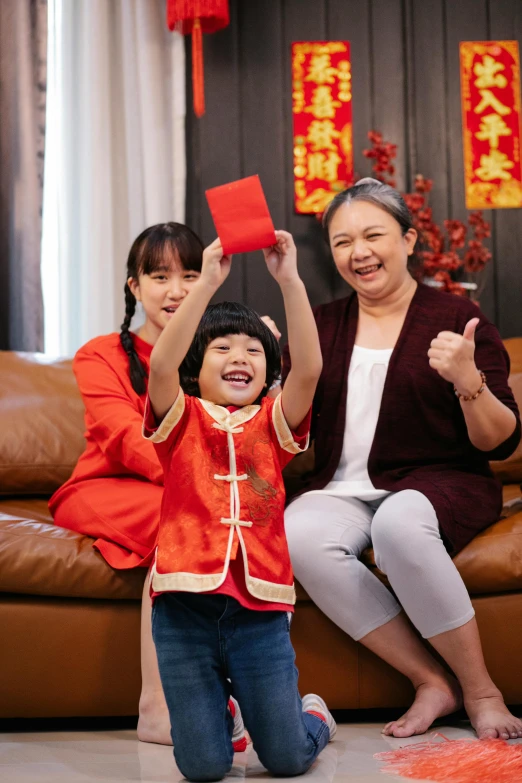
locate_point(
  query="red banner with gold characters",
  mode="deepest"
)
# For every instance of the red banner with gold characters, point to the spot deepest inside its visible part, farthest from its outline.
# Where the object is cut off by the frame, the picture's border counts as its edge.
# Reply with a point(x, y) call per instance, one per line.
point(322, 111)
point(491, 120)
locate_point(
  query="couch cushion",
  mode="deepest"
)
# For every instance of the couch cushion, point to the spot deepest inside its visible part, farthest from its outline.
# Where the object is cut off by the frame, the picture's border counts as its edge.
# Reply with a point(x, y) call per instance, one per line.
point(38, 558)
point(41, 423)
point(513, 346)
point(492, 562)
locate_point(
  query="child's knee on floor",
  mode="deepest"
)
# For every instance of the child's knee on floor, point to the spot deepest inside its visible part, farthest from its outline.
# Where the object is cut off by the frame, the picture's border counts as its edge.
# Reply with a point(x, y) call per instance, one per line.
point(203, 768)
point(287, 768)
point(286, 761)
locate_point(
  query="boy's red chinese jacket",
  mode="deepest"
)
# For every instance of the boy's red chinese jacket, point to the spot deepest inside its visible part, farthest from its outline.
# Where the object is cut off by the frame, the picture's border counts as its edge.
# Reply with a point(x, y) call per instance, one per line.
point(223, 489)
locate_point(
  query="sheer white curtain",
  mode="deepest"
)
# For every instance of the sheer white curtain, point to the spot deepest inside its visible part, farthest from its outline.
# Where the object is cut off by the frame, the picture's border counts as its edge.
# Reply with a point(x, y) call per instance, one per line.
point(115, 155)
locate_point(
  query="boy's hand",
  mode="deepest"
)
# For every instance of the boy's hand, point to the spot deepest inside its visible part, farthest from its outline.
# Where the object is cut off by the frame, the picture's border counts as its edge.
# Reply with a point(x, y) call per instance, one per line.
point(281, 258)
point(216, 266)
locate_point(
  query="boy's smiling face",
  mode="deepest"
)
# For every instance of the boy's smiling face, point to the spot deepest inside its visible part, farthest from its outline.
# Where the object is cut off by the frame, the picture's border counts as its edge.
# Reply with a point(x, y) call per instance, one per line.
point(233, 370)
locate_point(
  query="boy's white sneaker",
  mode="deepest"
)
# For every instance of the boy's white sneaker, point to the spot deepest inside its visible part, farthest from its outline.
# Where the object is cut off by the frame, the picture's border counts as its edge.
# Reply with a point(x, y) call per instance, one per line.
point(314, 703)
point(239, 740)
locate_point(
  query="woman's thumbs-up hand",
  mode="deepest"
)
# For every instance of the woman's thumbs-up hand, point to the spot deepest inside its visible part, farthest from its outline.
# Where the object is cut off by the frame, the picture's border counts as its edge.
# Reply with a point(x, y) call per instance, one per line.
point(453, 357)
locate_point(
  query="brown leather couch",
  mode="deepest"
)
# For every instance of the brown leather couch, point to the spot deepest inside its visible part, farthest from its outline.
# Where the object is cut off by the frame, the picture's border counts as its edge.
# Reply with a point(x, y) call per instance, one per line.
point(69, 624)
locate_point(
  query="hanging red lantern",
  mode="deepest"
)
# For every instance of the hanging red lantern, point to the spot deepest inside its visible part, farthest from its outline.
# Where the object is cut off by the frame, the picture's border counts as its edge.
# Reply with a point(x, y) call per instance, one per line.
point(197, 17)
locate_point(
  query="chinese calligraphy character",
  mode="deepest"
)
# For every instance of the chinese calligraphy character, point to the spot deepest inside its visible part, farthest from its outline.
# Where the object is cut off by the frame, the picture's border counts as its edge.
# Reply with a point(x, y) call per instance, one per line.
point(494, 166)
point(323, 104)
point(344, 70)
point(321, 135)
point(297, 66)
point(488, 73)
point(321, 166)
point(345, 77)
point(300, 189)
point(299, 101)
point(321, 70)
point(488, 99)
point(491, 128)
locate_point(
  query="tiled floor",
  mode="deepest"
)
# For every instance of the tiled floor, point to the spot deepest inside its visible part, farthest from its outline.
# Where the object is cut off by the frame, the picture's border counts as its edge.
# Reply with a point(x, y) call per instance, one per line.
point(117, 757)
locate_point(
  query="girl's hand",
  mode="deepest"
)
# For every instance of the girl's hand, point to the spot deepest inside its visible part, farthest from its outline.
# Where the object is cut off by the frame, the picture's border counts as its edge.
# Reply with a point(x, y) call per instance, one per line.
point(453, 356)
point(216, 266)
point(272, 326)
point(281, 258)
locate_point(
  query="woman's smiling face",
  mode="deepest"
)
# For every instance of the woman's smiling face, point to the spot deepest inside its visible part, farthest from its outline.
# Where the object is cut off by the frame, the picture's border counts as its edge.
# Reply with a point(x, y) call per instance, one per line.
point(369, 249)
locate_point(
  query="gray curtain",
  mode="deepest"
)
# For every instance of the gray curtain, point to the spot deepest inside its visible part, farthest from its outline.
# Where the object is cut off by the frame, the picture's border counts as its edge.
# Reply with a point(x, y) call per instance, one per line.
point(23, 55)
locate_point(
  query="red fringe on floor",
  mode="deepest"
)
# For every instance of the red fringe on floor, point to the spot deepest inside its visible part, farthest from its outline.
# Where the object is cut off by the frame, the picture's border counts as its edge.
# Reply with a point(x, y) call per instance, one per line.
point(456, 761)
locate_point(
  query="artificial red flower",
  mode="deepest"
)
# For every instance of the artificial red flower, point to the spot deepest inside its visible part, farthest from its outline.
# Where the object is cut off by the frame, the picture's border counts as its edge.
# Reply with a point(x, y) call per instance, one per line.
point(414, 202)
point(453, 287)
point(375, 137)
point(450, 261)
point(425, 218)
point(476, 257)
point(423, 185)
point(432, 236)
point(430, 262)
point(442, 277)
point(456, 231)
point(449, 285)
point(444, 262)
point(383, 154)
point(482, 229)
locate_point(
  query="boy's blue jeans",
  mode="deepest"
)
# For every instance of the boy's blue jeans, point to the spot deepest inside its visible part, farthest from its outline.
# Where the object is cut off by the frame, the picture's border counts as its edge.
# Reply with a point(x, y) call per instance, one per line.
point(201, 640)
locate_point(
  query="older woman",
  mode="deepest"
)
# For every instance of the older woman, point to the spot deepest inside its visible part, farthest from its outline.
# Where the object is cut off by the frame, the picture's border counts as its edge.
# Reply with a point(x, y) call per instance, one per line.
point(412, 404)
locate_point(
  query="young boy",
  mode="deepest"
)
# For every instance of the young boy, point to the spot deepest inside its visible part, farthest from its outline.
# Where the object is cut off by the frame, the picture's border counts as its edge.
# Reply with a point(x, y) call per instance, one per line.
point(222, 582)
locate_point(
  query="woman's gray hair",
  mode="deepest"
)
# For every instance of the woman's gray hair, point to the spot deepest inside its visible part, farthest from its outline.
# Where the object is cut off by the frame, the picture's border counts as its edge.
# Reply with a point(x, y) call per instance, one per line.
point(375, 192)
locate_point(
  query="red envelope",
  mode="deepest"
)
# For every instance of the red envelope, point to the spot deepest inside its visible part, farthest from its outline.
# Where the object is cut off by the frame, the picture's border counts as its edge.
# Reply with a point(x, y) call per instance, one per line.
point(241, 216)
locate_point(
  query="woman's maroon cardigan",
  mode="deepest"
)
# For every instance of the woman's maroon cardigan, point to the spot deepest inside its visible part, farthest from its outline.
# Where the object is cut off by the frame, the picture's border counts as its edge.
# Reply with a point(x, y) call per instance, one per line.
point(421, 441)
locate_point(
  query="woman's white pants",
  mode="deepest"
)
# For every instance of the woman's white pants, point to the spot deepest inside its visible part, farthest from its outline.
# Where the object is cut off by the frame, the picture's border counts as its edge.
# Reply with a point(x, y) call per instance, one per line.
point(327, 535)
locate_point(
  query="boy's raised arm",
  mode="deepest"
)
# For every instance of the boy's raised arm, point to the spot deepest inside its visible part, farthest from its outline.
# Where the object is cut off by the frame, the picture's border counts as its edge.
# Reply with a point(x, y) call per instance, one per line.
point(303, 339)
point(175, 340)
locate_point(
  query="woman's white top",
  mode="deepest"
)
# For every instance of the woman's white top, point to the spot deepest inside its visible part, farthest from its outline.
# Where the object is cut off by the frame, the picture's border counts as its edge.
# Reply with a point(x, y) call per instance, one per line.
point(366, 377)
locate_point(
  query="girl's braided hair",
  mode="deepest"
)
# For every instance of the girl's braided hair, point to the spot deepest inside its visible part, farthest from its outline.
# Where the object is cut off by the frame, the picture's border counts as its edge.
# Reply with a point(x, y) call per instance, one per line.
point(154, 250)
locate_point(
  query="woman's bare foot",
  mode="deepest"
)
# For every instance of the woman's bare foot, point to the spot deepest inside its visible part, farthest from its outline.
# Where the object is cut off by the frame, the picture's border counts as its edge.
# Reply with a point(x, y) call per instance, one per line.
point(490, 717)
point(433, 700)
point(154, 721)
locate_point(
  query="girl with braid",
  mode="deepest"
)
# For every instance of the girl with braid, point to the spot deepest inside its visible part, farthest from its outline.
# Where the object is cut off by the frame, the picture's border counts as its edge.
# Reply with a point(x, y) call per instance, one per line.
point(115, 491)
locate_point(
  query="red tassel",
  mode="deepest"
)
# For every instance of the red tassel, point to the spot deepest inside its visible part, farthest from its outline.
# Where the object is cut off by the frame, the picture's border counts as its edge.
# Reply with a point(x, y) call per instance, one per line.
point(198, 87)
point(197, 17)
point(456, 761)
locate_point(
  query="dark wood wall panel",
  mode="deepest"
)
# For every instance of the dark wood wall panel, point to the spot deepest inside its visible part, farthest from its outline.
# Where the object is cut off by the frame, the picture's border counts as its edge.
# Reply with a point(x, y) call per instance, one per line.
point(466, 20)
point(406, 83)
point(505, 21)
point(389, 77)
point(305, 22)
point(429, 136)
point(345, 25)
point(216, 138)
point(263, 134)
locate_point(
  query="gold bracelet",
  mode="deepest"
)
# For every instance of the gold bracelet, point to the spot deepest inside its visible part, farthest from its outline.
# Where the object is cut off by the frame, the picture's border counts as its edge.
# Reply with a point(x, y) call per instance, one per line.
point(472, 396)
